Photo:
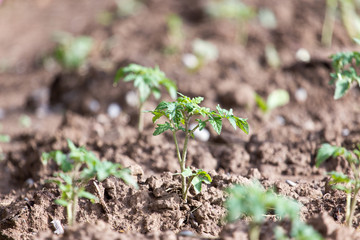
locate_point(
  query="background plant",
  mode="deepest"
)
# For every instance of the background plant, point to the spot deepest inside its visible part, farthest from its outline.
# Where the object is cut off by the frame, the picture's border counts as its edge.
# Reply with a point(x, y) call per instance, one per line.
point(350, 184)
point(234, 10)
point(202, 53)
point(255, 202)
point(344, 64)
point(147, 81)
point(276, 98)
point(349, 16)
point(175, 34)
point(78, 167)
point(178, 116)
point(72, 52)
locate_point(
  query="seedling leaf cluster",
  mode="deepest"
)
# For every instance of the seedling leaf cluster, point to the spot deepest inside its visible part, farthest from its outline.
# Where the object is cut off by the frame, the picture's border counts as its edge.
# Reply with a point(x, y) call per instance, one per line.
point(78, 167)
point(276, 98)
point(350, 184)
point(147, 81)
point(178, 116)
point(344, 64)
point(255, 202)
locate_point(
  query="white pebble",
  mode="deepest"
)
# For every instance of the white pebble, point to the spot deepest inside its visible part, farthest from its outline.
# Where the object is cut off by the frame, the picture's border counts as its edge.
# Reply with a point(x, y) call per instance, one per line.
point(291, 183)
point(301, 94)
point(2, 113)
point(203, 135)
point(190, 60)
point(345, 132)
point(58, 227)
point(303, 55)
point(29, 182)
point(114, 110)
point(132, 99)
point(280, 120)
point(94, 105)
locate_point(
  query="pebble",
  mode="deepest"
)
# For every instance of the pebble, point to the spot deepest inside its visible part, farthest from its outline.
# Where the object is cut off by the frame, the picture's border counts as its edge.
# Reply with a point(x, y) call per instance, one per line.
point(58, 227)
point(114, 110)
point(187, 233)
point(2, 113)
point(303, 55)
point(132, 99)
point(345, 132)
point(280, 120)
point(291, 183)
point(94, 105)
point(190, 60)
point(203, 135)
point(301, 95)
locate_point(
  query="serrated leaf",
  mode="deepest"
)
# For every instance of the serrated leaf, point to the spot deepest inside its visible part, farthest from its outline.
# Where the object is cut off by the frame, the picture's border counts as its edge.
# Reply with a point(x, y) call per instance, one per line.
point(261, 103)
point(162, 128)
point(277, 98)
point(87, 195)
point(341, 87)
point(187, 172)
point(338, 177)
point(201, 176)
point(66, 178)
point(326, 151)
point(216, 123)
point(242, 124)
point(157, 115)
point(126, 176)
point(156, 93)
point(202, 124)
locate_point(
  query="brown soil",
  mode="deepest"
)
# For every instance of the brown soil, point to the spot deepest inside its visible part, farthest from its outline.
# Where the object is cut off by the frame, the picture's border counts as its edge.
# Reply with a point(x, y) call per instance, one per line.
point(58, 104)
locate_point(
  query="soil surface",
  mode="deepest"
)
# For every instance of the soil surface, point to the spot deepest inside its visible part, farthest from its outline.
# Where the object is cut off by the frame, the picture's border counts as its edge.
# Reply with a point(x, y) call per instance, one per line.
point(280, 146)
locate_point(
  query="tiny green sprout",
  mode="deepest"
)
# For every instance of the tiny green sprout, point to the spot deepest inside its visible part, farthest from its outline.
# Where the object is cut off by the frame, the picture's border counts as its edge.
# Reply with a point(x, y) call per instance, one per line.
point(175, 34)
point(127, 8)
point(272, 56)
point(78, 167)
point(276, 98)
point(349, 17)
point(350, 184)
point(4, 138)
point(234, 10)
point(147, 81)
point(255, 202)
point(25, 121)
point(72, 52)
point(202, 53)
point(178, 117)
point(344, 64)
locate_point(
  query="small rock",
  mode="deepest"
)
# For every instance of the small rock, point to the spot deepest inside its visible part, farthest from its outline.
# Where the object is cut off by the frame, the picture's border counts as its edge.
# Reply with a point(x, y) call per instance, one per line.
point(254, 173)
point(94, 105)
point(303, 55)
point(114, 110)
point(280, 120)
point(132, 99)
point(291, 183)
point(190, 60)
point(345, 132)
point(203, 135)
point(301, 95)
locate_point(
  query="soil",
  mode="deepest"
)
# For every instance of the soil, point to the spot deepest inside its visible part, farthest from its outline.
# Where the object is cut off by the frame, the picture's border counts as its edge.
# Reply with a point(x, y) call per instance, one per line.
point(281, 146)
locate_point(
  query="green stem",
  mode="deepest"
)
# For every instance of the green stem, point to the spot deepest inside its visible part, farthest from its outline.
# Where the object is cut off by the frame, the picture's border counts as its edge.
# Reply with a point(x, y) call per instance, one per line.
point(328, 25)
point(182, 168)
point(69, 214)
point(352, 207)
point(184, 153)
point(141, 118)
point(254, 231)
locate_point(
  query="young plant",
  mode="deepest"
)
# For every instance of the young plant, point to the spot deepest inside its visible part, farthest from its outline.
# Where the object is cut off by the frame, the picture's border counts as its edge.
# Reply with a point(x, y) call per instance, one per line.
point(175, 34)
point(78, 167)
point(350, 183)
point(147, 81)
point(254, 202)
point(276, 98)
point(344, 64)
point(349, 17)
point(203, 52)
point(72, 52)
point(234, 10)
point(178, 116)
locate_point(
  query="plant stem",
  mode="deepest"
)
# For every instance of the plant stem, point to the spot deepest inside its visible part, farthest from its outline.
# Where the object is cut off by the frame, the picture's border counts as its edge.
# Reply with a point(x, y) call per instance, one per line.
point(182, 168)
point(254, 231)
point(141, 118)
point(69, 214)
point(328, 25)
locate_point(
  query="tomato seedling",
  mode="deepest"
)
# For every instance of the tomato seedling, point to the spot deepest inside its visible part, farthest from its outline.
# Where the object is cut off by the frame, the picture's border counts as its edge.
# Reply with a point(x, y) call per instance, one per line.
point(276, 98)
point(350, 184)
point(255, 202)
point(147, 81)
point(344, 64)
point(78, 167)
point(178, 117)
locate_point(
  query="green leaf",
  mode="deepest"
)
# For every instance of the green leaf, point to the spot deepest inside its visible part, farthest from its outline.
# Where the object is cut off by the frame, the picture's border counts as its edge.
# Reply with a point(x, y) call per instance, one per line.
point(87, 195)
point(4, 138)
point(162, 128)
point(338, 177)
point(242, 124)
point(277, 98)
point(202, 124)
point(62, 202)
point(326, 151)
point(261, 103)
point(125, 175)
point(216, 123)
point(66, 178)
point(341, 87)
point(187, 172)
point(201, 176)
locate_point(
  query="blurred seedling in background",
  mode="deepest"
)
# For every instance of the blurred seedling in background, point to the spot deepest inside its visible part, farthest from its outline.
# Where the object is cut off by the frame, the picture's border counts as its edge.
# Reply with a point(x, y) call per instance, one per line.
point(178, 117)
point(72, 52)
point(236, 11)
point(4, 138)
point(276, 98)
point(350, 19)
point(202, 53)
point(175, 34)
point(350, 183)
point(25, 121)
point(254, 202)
point(345, 64)
point(127, 8)
point(147, 81)
point(78, 167)
point(267, 18)
point(272, 56)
